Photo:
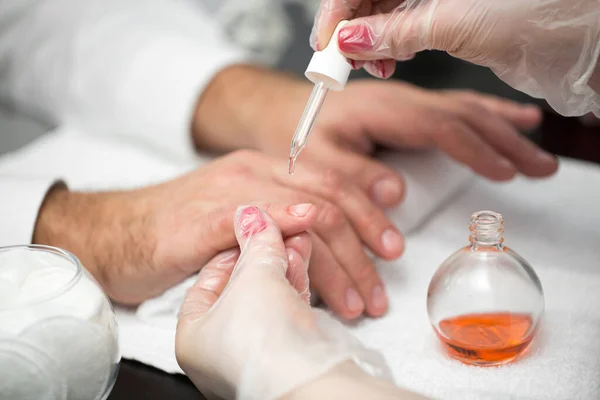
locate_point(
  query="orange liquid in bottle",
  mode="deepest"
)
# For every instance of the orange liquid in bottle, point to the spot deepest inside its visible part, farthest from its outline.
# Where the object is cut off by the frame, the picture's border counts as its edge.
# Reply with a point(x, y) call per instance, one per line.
point(486, 339)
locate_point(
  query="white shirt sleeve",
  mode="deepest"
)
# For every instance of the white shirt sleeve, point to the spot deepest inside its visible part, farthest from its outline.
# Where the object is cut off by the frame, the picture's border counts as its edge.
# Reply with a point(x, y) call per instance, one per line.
point(122, 67)
point(20, 201)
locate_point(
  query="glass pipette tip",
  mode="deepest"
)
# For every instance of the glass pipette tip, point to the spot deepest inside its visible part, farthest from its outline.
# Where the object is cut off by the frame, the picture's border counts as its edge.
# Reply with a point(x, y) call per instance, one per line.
point(305, 126)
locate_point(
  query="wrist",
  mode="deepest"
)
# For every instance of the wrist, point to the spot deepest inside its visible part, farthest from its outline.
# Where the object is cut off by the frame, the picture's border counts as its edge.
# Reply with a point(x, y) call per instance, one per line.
point(99, 228)
point(241, 105)
point(348, 381)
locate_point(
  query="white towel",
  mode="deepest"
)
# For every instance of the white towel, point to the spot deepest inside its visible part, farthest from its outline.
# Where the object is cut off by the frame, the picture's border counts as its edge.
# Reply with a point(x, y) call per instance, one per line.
point(553, 223)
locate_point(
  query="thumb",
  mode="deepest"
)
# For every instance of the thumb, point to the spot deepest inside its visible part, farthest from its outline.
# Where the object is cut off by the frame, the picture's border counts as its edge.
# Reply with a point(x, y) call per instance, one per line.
point(395, 35)
point(260, 241)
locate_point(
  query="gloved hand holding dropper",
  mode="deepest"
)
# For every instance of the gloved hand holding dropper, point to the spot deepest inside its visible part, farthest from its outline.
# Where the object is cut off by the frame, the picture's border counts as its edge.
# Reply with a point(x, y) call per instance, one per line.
point(547, 49)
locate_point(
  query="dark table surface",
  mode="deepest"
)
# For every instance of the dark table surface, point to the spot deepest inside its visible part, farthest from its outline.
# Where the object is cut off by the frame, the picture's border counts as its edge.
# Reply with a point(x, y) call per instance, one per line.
point(563, 136)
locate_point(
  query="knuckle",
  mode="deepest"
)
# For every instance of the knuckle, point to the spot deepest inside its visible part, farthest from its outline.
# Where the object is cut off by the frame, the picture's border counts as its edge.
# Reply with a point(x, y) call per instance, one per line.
point(468, 95)
point(447, 125)
point(328, 276)
point(475, 109)
point(245, 153)
point(372, 219)
point(237, 170)
point(365, 273)
point(333, 181)
point(331, 216)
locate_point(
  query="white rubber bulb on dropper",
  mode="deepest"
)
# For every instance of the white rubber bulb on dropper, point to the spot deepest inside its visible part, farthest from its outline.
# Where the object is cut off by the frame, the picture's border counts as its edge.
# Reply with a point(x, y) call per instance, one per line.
point(329, 65)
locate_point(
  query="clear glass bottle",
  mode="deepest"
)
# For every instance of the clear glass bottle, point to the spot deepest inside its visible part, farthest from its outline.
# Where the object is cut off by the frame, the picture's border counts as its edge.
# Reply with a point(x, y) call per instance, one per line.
point(485, 301)
point(58, 330)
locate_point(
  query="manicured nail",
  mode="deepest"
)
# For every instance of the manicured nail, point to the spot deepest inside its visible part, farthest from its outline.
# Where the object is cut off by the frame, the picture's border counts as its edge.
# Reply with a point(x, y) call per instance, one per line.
point(251, 221)
point(391, 241)
point(379, 297)
point(353, 63)
point(300, 210)
point(386, 192)
point(355, 38)
point(380, 67)
point(505, 164)
point(545, 157)
point(354, 301)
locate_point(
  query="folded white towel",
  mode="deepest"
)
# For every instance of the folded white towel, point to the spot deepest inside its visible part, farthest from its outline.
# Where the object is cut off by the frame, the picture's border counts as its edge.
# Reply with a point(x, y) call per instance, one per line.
point(555, 225)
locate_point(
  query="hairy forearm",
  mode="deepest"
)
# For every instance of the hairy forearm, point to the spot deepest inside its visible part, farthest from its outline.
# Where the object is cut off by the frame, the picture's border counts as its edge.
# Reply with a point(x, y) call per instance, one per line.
point(347, 381)
point(103, 230)
point(239, 105)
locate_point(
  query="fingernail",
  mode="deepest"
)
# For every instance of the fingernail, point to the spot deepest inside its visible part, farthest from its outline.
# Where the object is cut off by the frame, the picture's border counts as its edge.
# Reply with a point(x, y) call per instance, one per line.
point(391, 241)
point(300, 210)
point(353, 64)
point(355, 38)
point(380, 67)
point(354, 301)
point(251, 221)
point(379, 297)
point(386, 192)
point(505, 164)
point(545, 157)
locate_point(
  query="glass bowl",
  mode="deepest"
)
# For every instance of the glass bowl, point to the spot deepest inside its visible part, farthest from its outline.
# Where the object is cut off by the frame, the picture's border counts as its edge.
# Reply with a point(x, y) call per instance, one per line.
point(58, 330)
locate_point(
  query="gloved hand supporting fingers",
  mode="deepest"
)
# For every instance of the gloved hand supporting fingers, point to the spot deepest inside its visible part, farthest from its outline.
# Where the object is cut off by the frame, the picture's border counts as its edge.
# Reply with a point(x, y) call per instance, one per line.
point(211, 282)
point(298, 250)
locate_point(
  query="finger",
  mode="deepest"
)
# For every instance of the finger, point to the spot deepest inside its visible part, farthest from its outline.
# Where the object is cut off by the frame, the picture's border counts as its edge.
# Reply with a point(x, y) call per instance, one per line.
point(216, 233)
point(383, 185)
point(211, 282)
point(394, 35)
point(382, 69)
point(298, 249)
point(451, 134)
point(373, 226)
point(330, 13)
point(260, 240)
point(507, 141)
point(356, 64)
point(523, 116)
point(332, 283)
point(333, 228)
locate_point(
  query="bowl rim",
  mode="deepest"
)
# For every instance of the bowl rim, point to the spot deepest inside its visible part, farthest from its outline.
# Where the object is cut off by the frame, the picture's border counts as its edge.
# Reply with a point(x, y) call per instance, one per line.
point(61, 289)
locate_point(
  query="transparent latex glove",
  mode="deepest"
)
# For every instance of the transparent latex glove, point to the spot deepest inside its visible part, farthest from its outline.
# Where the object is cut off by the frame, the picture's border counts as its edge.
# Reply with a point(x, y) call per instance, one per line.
point(545, 48)
point(245, 332)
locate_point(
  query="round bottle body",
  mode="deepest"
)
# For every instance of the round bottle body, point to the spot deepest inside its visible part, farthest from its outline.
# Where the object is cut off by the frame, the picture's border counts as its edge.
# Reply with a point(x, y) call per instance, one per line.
point(485, 303)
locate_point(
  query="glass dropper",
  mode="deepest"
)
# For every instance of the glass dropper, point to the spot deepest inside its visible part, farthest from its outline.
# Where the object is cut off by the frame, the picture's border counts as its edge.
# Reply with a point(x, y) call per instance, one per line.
point(328, 69)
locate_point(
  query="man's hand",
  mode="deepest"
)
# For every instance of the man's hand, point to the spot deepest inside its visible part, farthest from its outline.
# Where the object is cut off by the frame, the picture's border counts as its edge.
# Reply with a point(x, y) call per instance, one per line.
point(478, 130)
point(141, 242)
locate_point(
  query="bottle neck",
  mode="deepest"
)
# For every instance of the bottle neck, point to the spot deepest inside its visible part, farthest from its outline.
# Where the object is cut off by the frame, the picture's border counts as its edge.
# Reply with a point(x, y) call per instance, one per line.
point(487, 228)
